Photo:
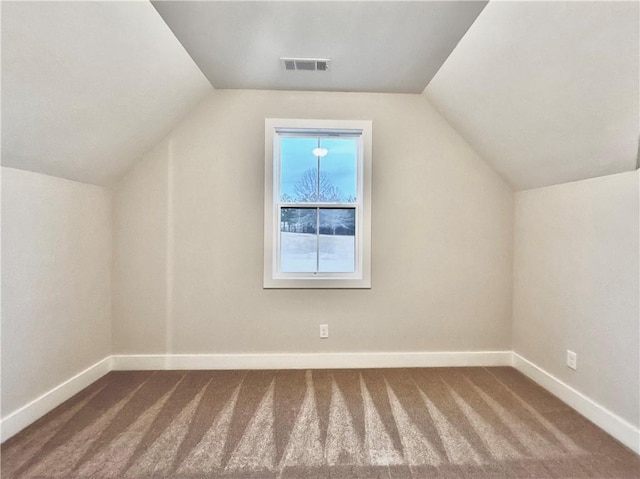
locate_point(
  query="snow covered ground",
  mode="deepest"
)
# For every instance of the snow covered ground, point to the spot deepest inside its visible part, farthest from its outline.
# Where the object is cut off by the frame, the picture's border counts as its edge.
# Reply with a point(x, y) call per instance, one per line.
point(298, 253)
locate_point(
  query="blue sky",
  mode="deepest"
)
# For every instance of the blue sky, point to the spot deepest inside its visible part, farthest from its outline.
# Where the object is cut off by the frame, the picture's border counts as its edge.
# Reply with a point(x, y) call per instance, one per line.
point(340, 162)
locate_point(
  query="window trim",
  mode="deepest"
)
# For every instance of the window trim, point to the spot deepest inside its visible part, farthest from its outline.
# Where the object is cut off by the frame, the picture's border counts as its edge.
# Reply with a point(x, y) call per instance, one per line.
point(362, 277)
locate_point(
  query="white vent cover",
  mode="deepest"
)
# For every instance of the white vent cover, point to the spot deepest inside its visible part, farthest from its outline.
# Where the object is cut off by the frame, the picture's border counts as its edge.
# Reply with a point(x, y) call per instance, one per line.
point(306, 64)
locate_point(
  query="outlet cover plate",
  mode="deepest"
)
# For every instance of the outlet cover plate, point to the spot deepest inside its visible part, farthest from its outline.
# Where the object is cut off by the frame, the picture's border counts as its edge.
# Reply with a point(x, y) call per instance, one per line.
point(572, 359)
point(324, 331)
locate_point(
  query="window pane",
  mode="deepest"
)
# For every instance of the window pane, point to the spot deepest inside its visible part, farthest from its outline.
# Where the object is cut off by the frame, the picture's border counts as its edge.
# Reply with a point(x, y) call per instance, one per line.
point(298, 240)
point(337, 245)
point(338, 170)
point(298, 169)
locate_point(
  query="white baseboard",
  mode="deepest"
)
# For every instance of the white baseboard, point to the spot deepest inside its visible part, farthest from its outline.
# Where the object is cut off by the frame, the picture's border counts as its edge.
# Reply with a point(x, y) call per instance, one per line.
point(34, 410)
point(312, 360)
point(622, 430)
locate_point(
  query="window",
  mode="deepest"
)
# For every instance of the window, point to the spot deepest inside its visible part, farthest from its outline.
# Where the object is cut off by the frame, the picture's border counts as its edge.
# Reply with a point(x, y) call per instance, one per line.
point(317, 204)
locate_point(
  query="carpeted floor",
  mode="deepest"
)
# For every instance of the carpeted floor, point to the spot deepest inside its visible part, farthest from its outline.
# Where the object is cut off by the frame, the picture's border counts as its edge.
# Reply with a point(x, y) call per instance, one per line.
point(392, 423)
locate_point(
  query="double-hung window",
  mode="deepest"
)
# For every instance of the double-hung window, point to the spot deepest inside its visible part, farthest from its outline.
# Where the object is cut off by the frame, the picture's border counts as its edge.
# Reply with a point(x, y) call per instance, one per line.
point(317, 204)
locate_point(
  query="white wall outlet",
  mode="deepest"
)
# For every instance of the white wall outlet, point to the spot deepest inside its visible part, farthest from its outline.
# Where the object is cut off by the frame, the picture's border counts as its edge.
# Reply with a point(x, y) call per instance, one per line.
point(324, 331)
point(572, 359)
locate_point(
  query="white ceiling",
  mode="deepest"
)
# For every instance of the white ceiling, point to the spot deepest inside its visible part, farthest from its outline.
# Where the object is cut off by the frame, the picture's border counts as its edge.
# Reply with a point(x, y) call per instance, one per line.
point(547, 92)
point(89, 87)
point(373, 46)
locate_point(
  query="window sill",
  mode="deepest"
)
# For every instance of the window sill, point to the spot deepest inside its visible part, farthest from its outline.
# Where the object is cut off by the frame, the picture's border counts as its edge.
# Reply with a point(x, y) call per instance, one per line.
point(316, 283)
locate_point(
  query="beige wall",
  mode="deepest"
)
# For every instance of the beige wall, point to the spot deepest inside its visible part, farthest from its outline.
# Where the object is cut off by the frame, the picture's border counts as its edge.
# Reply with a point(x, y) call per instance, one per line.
point(576, 286)
point(56, 273)
point(189, 238)
point(140, 256)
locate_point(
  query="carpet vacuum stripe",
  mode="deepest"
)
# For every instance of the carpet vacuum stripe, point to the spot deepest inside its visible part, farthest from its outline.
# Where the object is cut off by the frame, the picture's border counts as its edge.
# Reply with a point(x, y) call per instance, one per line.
point(325, 424)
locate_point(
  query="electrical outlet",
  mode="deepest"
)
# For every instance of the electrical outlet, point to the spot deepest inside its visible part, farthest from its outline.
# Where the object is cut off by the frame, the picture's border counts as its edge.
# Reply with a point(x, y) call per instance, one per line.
point(572, 359)
point(324, 331)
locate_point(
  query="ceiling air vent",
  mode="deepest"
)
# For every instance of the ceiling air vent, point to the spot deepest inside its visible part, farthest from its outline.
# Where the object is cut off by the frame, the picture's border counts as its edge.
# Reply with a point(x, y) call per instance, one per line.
point(306, 64)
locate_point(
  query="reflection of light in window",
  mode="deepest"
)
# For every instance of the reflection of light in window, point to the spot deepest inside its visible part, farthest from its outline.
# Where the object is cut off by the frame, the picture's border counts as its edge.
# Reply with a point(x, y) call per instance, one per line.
point(320, 152)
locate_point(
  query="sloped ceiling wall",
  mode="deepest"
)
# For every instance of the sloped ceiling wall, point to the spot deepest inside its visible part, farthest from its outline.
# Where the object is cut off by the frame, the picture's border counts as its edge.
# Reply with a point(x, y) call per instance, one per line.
point(89, 87)
point(547, 92)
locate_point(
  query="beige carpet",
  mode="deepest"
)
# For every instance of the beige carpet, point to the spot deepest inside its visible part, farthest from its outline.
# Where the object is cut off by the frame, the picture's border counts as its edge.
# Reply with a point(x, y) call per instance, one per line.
point(392, 423)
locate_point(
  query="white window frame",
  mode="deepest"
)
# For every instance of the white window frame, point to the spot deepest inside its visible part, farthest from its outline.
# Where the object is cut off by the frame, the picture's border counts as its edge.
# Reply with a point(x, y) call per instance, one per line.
point(273, 278)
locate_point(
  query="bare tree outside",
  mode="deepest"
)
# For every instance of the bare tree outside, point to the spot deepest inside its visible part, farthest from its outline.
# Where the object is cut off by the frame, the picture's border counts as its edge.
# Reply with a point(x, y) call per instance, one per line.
point(306, 189)
point(337, 221)
point(340, 221)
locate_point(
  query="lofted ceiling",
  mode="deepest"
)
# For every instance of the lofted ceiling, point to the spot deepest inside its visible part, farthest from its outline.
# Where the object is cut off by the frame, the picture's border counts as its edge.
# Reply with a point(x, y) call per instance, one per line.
point(547, 92)
point(89, 87)
point(391, 47)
